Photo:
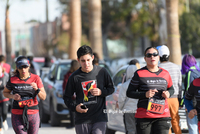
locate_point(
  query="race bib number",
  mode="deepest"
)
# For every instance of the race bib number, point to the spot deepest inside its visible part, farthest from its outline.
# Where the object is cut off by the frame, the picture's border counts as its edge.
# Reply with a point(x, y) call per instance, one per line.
point(26, 102)
point(156, 105)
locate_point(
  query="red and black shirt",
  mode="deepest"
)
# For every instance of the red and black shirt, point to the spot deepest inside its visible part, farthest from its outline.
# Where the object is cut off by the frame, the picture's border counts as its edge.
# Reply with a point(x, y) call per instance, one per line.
point(144, 80)
point(194, 92)
point(24, 89)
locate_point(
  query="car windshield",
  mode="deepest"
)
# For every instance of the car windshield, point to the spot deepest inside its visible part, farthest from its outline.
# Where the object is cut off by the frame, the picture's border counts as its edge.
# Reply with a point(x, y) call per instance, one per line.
point(62, 70)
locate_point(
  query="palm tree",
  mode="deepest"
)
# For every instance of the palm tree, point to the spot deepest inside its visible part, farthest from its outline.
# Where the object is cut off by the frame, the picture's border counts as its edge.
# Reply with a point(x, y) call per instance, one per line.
point(173, 41)
point(8, 34)
point(75, 28)
point(95, 33)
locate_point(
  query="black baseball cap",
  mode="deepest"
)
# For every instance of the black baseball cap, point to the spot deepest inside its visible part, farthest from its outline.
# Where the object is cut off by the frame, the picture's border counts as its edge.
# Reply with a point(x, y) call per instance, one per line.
point(22, 61)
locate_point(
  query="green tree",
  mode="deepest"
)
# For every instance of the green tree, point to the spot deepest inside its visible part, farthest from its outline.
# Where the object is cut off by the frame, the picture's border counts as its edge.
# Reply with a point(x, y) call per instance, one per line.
point(190, 30)
point(139, 18)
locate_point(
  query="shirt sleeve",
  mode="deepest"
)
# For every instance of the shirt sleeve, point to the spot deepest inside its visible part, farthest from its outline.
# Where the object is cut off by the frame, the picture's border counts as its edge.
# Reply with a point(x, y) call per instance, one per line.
point(132, 91)
point(170, 87)
point(180, 85)
point(68, 93)
point(39, 82)
point(109, 86)
point(189, 95)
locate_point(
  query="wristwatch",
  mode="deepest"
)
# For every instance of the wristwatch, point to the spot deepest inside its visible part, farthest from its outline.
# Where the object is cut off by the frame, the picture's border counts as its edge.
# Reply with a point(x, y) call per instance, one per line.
point(37, 91)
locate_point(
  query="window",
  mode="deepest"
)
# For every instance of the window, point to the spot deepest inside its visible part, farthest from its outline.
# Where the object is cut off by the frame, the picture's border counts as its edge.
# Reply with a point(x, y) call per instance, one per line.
point(52, 71)
point(62, 70)
point(119, 76)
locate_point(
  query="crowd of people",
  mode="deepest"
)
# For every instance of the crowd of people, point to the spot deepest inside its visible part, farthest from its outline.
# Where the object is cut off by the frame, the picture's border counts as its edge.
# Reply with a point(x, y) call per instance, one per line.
point(152, 94)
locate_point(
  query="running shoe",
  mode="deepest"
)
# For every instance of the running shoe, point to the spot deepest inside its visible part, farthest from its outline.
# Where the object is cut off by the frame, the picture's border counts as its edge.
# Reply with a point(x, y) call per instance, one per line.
point(5, 125)
point(1, 131)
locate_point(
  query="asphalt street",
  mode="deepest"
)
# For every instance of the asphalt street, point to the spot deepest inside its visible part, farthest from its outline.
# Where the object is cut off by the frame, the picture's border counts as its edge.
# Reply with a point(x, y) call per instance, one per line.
point(47, 128)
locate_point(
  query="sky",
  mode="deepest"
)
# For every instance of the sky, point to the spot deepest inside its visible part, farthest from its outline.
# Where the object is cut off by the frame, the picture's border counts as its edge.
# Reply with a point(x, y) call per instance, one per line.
point(22, 11)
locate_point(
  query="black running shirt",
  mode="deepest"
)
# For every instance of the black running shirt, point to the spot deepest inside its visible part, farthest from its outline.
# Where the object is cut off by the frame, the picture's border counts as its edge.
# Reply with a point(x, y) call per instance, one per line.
point(142, 81)
point(24, 89)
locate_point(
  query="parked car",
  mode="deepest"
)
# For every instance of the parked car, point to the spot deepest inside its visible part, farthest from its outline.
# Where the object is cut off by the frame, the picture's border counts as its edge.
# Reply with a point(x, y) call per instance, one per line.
point(115, 116)
point(53, 108)
point(102, 64)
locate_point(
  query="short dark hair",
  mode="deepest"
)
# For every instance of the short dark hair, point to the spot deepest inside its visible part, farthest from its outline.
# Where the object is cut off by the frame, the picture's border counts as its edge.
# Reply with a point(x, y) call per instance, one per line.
point(83, 50)
point(150, 48)
point(133, 62)
point(164, 58)
point(74, 66)
point(2, 58)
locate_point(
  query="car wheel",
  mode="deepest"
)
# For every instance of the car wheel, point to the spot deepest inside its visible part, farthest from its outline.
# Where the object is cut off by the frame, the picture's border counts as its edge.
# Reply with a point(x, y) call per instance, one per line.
point(43, 116)
point(54, 120)
point(110, 131)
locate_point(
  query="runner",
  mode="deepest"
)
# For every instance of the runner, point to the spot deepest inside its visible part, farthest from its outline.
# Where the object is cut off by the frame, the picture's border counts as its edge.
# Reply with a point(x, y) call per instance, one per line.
point(3, 101)
point(25, 87)
point(190, 94)
point(91, 84)
point(151, 85)
point(191, 71)
point(175, 73)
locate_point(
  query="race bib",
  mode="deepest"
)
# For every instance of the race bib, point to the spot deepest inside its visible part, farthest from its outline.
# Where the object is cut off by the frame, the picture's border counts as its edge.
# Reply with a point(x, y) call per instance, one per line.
point(156, 105)
point(27, 101)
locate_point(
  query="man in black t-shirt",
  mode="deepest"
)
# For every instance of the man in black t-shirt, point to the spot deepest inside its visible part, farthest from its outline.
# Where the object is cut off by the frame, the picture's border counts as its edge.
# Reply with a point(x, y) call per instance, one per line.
point(91, 84)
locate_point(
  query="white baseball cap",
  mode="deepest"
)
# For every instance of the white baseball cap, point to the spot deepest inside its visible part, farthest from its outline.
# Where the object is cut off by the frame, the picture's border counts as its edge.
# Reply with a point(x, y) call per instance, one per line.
point(163, 50)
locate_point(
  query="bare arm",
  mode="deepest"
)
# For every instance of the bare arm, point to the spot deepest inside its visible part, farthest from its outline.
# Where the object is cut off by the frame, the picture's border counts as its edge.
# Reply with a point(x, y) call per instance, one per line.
point(42, 93)
point(7, 94)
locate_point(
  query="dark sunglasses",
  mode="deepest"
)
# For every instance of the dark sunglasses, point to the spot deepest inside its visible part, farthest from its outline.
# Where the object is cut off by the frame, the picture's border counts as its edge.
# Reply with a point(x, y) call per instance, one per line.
point(148, 55)
point(23, 67)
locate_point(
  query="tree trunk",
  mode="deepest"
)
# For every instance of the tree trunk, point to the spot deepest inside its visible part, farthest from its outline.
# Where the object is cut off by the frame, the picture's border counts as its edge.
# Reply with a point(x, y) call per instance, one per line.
point(8, 35)
point(173, 41)
point(95, 32)
point(75, 28)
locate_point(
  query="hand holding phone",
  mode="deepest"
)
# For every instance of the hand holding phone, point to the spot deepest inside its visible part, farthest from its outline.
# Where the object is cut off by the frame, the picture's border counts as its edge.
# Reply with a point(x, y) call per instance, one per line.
point(83, 107)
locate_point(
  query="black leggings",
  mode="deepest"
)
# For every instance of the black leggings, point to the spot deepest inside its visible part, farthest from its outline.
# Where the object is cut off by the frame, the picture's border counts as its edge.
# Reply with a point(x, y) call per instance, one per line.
point(153, 125)
point(34, 122)
point(3, 112)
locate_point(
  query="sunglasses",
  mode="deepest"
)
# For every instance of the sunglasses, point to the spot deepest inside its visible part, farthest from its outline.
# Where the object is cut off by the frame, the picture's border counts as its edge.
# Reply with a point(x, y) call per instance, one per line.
point(148, 55)
point(23, 67)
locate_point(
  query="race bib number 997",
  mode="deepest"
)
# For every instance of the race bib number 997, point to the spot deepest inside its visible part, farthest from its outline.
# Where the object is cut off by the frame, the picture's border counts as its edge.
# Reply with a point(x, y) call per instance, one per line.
point(26, 102)
point(156, 105)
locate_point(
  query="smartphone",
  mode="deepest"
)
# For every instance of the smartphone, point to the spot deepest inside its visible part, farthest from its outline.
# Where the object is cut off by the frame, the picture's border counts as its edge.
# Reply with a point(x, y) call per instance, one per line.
point(83, 107)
